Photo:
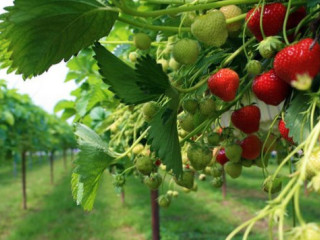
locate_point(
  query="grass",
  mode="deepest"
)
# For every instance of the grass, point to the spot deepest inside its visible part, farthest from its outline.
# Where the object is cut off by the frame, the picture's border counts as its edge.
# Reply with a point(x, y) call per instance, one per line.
point(52, 214)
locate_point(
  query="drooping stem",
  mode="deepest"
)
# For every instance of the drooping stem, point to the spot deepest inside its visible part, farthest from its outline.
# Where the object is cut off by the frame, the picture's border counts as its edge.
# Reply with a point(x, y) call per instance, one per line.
point(153, 27)
point(291, 170)
point(285, 23)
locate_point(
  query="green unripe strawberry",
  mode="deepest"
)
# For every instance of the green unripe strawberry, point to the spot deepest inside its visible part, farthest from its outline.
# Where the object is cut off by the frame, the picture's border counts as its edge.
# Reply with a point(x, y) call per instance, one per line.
point(149, 110)
point(118, 180)
point(260, 164)
point(182, 133)
point(315, 183)
point(202, 177)
point(254, 67)
point(144, 165)
point(233, 169)
point(142, 41)
point(217, 182)
point(272, 186)
point(164, 63)
point(164, 201)
point(269, 46)
point(216, 170)
point(313, 164)
point(186, 180)
point(199, 156)
point(232, 11)
point(233, 152)
point(153, 181)
point(188, 18)
point(246, 162)
point(173, 64)
point(190, 105)
point(195, 187)
point(186, 122)
point(186, 51)
point(207, 107)
point(310, 231)
point(133, 56)
point(213, 139)
point(211, 29)
point(138, 149)
point(198, 118)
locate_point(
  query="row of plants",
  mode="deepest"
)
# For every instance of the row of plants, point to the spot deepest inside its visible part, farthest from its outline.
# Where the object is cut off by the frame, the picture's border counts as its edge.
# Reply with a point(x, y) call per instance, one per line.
point(27, 129)
point(183, 86)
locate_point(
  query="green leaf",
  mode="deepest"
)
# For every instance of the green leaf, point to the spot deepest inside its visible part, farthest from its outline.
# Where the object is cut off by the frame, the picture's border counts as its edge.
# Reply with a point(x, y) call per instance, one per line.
point(68, 113)
point(164, 138)
point(312, 3)
point(39, 33)
point(63, 104)
point(146, 83)
point(93, 158)
point(9, 118)
point(297, 117)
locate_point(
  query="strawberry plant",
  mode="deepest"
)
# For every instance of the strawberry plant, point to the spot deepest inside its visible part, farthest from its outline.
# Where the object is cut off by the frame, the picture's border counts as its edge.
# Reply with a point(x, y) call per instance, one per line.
point(169, 90)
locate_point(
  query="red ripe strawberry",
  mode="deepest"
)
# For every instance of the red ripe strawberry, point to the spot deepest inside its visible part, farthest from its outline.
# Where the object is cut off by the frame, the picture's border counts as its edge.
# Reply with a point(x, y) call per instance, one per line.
point(273, 18)
point(269, 88)
point(224, 84)
point(251, 147)
point(158, 162)
point(298, 59)
point(221, 157)
point(247, 119)
point(296, 17)
point(284, 132)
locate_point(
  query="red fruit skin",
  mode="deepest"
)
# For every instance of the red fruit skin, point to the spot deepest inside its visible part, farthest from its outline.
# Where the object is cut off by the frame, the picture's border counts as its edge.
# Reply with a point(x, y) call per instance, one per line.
point(296, 17)
point(224, 84)
point(273, 18)
point(158, 162)
point(221, 157)
point(298, 59)
point(269, 88)
point(247, 119)
point(284, 132)
point(251, 147)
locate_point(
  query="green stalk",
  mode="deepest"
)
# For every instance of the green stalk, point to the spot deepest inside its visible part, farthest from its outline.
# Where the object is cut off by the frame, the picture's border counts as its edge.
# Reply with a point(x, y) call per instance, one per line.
point(153, 27)
point(291, 170)
point(129, 43)
point(176, 10)
point(187, 8)
point(261, 19)
point(285, 23)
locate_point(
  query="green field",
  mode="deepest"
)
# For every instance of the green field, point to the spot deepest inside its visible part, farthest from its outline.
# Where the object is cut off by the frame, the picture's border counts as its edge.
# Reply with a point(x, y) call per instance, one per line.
point(52, 214)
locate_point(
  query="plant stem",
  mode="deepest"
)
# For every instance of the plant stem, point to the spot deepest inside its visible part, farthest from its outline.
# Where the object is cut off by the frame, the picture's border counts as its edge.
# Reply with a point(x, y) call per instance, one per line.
point(187, 8)
point(132, 146)
point(153, 27)
point(285, 23)
point(291, 170)
point(261, 20)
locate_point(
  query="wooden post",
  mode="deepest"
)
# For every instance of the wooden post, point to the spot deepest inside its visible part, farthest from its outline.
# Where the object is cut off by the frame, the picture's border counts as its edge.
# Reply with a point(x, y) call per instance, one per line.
point(51, 167)
point(65, 159)
point(224, 185)
point(122, 196)
point(24, 180)
point(155, 215)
